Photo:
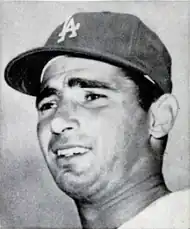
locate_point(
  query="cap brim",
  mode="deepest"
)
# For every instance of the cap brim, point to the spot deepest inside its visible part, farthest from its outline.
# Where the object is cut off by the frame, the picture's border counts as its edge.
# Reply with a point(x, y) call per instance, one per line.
point(23, 72)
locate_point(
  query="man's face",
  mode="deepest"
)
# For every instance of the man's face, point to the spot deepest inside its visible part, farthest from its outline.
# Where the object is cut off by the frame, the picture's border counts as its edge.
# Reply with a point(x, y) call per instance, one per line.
point(90, 126)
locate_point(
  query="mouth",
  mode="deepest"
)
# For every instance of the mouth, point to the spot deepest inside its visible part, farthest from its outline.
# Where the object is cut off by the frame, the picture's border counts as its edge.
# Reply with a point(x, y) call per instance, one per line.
point(71, 151)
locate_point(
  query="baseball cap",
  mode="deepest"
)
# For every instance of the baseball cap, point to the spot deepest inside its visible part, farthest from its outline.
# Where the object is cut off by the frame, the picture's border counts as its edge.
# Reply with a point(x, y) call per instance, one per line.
point(119, 39)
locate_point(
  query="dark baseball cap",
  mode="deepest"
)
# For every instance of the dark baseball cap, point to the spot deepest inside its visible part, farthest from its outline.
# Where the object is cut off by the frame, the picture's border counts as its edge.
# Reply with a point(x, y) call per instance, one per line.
point(119, 39)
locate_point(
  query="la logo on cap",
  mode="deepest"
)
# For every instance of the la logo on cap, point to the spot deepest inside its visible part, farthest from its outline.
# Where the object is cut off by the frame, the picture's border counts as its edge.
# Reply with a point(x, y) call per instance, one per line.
point(69, 26)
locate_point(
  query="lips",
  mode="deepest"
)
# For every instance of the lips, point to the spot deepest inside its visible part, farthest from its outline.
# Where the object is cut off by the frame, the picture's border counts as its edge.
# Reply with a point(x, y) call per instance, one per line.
point(70, 150)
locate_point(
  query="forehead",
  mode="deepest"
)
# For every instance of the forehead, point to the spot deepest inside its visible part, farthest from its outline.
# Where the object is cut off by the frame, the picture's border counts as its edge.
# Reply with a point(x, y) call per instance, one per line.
point(62, 68)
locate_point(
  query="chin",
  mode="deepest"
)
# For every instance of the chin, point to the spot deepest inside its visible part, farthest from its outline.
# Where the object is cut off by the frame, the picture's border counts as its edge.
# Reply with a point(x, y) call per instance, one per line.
point(77, 187)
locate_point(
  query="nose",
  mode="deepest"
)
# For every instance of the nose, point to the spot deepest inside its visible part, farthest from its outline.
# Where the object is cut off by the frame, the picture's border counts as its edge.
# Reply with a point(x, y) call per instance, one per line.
point(66, 118)
point(60, 125)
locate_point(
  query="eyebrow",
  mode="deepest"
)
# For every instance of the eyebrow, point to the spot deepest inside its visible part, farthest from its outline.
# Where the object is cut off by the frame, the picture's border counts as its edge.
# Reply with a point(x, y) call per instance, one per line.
point(86, 83)
point(73, 82)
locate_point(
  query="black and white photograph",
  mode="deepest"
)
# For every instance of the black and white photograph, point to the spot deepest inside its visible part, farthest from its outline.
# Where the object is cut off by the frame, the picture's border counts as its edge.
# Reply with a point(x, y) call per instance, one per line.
point(94, 114)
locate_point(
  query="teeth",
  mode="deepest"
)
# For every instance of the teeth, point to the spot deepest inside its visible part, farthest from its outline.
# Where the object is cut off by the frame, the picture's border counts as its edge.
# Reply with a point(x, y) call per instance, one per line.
point(71, 151)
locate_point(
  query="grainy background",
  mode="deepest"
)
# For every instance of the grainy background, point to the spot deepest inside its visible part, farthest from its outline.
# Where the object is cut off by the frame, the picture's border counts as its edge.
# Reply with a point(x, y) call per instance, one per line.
point(28, 195)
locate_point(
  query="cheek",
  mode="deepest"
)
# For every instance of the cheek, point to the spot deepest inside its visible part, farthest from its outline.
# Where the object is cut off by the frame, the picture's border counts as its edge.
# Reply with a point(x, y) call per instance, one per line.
point(44, 134)
point(116, 132)
point(107, 129)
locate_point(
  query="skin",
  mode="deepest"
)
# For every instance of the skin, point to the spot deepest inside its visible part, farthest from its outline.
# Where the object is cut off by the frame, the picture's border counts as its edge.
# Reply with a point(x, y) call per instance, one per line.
point(119, 174)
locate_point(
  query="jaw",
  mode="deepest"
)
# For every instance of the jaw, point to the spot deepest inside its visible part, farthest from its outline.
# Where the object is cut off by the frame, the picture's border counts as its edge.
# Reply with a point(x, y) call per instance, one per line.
point(78, 186)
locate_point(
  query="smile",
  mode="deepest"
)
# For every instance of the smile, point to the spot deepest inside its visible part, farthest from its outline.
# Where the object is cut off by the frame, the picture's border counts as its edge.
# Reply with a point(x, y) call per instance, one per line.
point(68, 152)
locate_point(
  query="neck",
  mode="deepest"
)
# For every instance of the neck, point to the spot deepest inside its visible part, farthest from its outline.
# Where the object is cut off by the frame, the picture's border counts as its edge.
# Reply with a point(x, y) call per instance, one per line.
point(127, 200)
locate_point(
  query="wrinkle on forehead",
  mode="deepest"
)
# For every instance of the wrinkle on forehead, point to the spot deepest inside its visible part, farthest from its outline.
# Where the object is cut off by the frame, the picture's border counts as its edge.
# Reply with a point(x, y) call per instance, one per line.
point(68, 67)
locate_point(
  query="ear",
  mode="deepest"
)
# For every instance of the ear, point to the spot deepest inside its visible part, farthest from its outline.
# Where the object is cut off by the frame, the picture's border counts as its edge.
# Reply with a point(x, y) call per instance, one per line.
point(162, 115)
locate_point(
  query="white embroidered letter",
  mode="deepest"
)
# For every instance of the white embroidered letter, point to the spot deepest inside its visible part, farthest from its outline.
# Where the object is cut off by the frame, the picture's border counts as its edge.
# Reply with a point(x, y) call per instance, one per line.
point(69, 26)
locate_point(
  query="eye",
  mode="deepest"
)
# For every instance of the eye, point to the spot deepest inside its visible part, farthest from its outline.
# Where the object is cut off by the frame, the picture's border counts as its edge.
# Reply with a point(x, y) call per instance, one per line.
point(94, 96)
point(47, 106)
point(95, 100)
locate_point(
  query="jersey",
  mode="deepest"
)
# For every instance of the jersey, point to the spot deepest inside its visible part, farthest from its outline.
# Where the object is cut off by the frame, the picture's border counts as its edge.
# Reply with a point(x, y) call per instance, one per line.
point(168, 212)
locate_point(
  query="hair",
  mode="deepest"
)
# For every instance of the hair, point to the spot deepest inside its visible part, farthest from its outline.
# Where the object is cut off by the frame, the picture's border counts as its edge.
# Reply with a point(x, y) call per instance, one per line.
point(147, 92)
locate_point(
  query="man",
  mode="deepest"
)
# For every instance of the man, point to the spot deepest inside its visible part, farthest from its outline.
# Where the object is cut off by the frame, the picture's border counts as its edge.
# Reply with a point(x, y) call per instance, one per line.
point(102, 84)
